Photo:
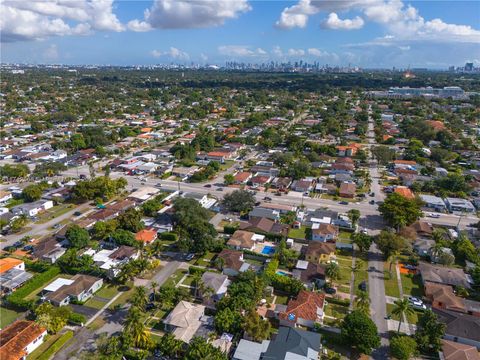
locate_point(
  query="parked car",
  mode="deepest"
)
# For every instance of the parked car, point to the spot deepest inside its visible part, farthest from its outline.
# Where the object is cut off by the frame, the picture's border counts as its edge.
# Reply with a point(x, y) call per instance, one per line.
point(150, 306)
point(18, 244)
point(433, 215)
point(372, 202)
point(363, 286)
point(372, 194)
point(57, 226)
point(189, 257)
point(267, 198)
point(330, 290)
point(76, 213)
point(208, 186)
point(219, 189)
point(343, 202)
point(28, 248)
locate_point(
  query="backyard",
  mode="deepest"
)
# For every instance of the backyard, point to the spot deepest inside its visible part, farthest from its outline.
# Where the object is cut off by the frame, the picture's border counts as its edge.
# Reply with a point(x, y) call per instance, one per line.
point(300, 233)
point(7, 316)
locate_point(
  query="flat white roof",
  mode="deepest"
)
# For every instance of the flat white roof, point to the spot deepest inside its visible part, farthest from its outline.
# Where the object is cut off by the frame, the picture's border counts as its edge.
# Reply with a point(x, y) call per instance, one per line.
point(57, 284)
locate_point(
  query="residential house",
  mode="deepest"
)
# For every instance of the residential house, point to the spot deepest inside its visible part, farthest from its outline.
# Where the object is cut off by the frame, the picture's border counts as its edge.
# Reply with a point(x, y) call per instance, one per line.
point(232, 262)
point(81, 289)
point(218, 285)
point(324, 232)
point(422, 246)
point(288, 344)
point(304, 185)
point(20, 339)
point(146, 236)
point(258, 212)
point(244, 240)
point(460, 328)
point(443, 297)
point(242, 177)
point(5, 196)
point(12, 274)
point(204, 200)
point(260, 180)
point(112, 260)
point(347, 190)
point(454, 351)
point(457, 204)
point(305, 310)
point(349, 151)
point(405, 192)
point(49, 250)
point(433, 202)
point(422, 228)
point(281, 183)
point(33, 208)
point(264, 226)
point(104, 215)
point(143, 194)
point(309, 273)
point(187, 320)
point(319, 252)
point(282, 208)
point(443, 275)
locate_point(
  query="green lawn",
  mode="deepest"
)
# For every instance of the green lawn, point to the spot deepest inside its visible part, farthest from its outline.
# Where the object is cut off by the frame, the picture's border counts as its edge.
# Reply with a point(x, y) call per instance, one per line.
point(281, 299)
point(227, 165)
point(362, 274)
point(412, 285)
point(49, 340)
point(188, 280)
point(7, 316)
point(54, 212)
point(391, 285)
point(122, 299)
point(107, 292)
point(335, 310)
point(175, 278)
point(298, 233)
point(96, 304)
point(345, 235)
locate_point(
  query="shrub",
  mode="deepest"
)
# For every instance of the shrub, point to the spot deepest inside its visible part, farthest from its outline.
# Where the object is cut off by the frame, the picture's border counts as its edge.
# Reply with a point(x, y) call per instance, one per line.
point(77, 319)
point(196, 270)
point(169, 236)
point(229, 229)
point(16, 299)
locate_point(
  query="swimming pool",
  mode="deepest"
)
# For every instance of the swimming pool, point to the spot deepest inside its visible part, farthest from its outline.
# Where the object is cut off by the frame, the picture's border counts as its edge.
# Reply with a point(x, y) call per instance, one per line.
point(282, 273)
point(268, 250)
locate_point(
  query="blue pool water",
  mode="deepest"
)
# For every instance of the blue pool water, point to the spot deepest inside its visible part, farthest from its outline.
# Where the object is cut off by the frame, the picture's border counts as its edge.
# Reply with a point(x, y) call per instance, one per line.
point(283, 273)
point(268, 250)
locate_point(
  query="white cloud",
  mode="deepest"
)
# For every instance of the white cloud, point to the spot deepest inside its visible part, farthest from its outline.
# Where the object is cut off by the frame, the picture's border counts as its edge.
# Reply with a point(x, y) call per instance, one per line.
point(241, 51)
point(295, 52)
point(401, 21)
point(172, 53)
point(51, 53)
point(33, 20)
point(335, 23)
point(181, 14)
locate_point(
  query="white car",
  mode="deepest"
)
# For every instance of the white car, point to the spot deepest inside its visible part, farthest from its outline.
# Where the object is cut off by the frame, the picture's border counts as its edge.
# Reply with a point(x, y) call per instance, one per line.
point(433, 215)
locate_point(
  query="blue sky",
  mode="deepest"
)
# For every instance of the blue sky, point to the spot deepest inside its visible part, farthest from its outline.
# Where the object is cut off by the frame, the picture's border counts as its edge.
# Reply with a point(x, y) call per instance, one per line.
point(367, 33)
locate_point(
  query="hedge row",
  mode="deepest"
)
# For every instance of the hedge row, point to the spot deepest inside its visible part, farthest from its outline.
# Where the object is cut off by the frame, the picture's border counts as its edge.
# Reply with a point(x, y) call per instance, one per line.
point(57, 345)
point(169, 236)
point(17, 298)
point(196, 270)
point(342, 302)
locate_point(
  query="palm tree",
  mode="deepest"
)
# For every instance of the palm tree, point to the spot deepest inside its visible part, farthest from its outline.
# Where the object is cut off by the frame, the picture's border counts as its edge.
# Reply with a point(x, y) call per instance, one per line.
point(363, 301)
point(170, 346)
point(357, 267)
point(402, 306)
point(153, 286)
point(197, 282)
point(135, 327)
point(333, 271)
point(139, 298)
point(392, 258)
point(436, 250)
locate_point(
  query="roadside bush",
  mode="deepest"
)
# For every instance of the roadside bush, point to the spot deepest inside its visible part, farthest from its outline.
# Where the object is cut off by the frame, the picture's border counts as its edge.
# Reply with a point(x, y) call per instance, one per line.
point(196, 270)
point(16, 299)
point(229, 229)
point(77, 319)
point(168, 236)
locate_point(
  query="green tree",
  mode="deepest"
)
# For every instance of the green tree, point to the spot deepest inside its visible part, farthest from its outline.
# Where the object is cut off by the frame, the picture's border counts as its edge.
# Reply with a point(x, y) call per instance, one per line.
point(362, 302)
point(333, 271)
point(255, 327)
point(363, 241)
point(17, 224)
point(429, 332)
point(139, 297)
point(383, 154)
point(239, 201)
point(131, 220)
point(227, 320)
point(200, 349)
point(354, 216)
point(398, 211)
point(51, 317)
point(360, 331)
point(170, 346)
point(228, 179)
point(77, 237)
point(124, 237)
point(403, 347)
point(135, 328)
point(390, 243)
point(401, 307)
point(32, 193)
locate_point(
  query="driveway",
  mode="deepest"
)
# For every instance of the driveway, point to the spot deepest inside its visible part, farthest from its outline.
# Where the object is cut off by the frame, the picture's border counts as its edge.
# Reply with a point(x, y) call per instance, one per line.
point(86, 311)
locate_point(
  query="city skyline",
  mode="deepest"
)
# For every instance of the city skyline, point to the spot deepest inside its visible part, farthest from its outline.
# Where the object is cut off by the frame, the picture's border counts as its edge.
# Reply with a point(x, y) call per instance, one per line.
point(364, 33)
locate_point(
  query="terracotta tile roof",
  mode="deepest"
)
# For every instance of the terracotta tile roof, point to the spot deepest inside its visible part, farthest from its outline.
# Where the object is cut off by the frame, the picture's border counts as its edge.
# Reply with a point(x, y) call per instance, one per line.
point(347, 188)
point(444, 294)
point(242, 176)
point(436, 124)
point(305, 306)
point(456, 351)
point(8, 263)
point(217, 153)
point(16, 337)
point(405, 192)
point(146, 235)
point(405, 162)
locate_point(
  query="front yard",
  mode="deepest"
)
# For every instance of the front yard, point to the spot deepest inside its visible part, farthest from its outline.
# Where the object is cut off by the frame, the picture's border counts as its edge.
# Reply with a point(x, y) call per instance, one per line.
point(391, 284)
point(300, 233)
point(412, 285)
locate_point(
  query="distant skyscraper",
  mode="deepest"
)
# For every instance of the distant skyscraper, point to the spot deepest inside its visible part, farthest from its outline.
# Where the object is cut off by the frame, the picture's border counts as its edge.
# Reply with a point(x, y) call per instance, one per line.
point(469, 66)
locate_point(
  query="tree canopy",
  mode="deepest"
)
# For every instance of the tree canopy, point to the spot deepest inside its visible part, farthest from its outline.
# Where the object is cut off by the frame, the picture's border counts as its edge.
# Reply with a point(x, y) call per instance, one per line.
point(399, 211)
point(239, 201)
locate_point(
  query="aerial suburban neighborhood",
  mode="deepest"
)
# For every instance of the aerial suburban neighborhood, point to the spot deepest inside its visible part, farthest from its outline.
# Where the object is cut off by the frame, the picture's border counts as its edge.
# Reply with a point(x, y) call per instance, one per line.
point(151, 213)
